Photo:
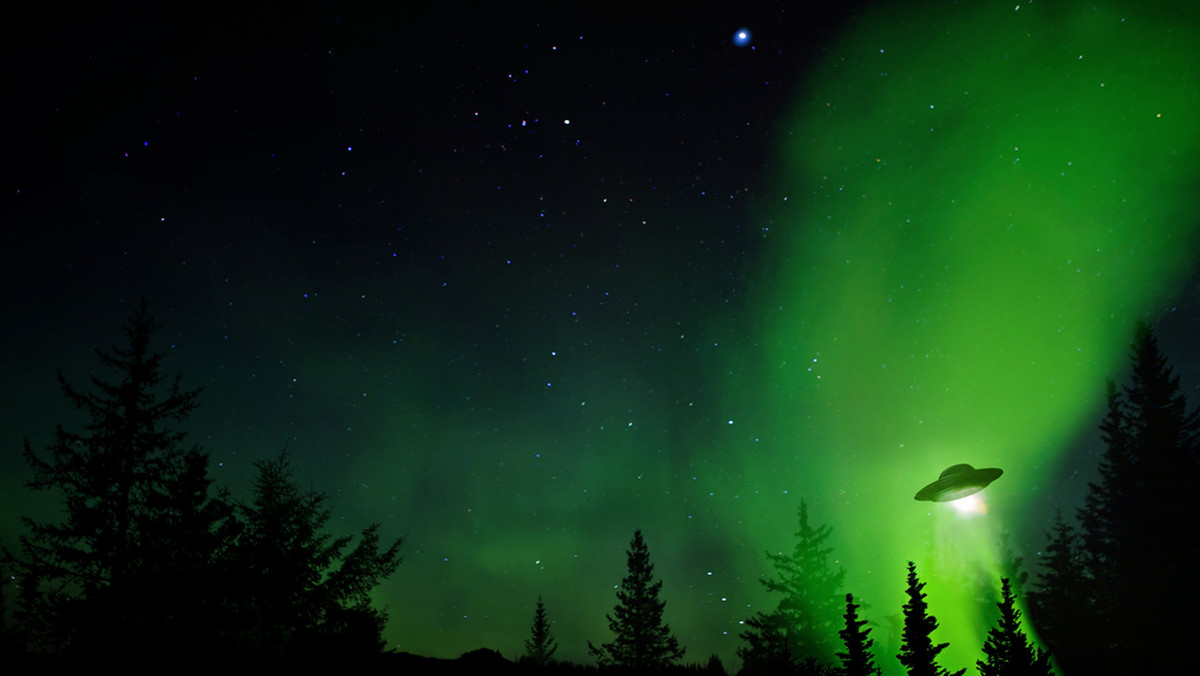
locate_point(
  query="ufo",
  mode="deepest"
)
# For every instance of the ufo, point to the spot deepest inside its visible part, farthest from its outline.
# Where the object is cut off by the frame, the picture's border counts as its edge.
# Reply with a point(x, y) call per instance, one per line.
point(958, 481)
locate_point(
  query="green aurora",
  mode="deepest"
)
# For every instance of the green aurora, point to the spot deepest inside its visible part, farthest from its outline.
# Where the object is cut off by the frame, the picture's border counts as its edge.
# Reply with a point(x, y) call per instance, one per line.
point(974, 206)
point(977, 204)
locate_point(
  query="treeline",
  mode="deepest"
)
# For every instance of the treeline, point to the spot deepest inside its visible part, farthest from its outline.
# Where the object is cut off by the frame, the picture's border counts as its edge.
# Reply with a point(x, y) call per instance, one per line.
point(814, 630)
point(152, 565)
point(1115, 593)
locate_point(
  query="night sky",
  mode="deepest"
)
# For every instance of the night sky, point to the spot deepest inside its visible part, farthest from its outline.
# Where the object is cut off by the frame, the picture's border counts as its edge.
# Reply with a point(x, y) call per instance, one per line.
point(515, 284)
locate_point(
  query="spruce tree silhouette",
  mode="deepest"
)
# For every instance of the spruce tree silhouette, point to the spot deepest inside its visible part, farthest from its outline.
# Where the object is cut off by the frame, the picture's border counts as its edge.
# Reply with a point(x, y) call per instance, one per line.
point(713, 666)
point(642, 640)
point(1104, 522)
point(1007, 650)
point(801, 628)
point(92, 584)
point(1011, 564)
point(7, 644)
point(918, 654)
point(1059, 603)
point(189, 550)
point(1136, 558)
point(857, 660)
point(540, 646)
point(296, 604)
point(767, 649)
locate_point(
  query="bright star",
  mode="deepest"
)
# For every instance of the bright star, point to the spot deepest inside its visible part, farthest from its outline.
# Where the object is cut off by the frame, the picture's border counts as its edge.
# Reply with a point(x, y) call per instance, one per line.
point(742, 37)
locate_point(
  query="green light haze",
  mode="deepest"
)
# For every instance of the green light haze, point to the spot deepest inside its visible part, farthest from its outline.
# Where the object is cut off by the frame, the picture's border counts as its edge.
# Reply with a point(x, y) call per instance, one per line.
point(977, 204)
point(514, 341)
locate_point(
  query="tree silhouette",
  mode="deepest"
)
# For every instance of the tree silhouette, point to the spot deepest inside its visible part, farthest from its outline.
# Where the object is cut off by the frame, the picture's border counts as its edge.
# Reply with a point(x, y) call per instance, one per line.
point(918, 654)
point(857, 660)
point(808, 615)
point(540, 646)
point(84, 582)
point(147, 564)
point(7, 642)
point(642, 640)
point(1012, 565)
point(713, 666)
point(189, 550)
point(1104, 517)
point(767, 650)
point(1007, 650)
point(1059, 601)
point(1135, 559)
point(296, 603)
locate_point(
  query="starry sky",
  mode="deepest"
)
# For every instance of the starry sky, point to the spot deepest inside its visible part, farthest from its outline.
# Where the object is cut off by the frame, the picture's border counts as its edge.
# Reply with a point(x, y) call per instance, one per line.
point(515, 284)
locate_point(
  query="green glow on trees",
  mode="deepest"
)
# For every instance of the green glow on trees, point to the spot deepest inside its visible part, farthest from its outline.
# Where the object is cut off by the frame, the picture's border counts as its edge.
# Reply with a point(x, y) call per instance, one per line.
point(976, 205)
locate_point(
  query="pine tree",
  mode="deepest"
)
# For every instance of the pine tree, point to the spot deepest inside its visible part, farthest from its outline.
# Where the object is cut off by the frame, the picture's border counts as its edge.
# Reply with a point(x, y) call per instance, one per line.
point(1007, 649)
point(189, 550)
point(802, 626)
point(540, 646)
point(1059, 602)
point(767, 650)
point(297, 605)
point(1137, 561)
point(1103, 518)
point(857, 660)
point(918, 654)
point(713, 666)
point(85, 578)
point(7, 646)
point(1011, 564)
point(642, 640)
point(11, 650)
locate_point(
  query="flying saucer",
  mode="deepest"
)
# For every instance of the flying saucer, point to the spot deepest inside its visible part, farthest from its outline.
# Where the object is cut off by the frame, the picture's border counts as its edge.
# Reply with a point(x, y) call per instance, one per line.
point(959, 481)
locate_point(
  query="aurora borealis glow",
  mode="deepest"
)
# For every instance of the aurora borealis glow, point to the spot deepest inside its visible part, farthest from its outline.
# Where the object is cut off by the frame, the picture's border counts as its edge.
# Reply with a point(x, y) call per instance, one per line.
point(519, 288)
point(988, 195)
